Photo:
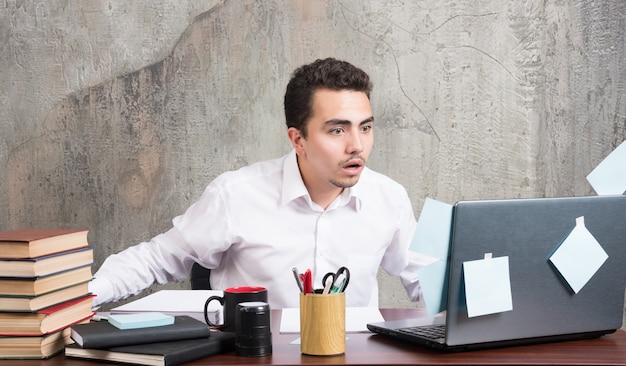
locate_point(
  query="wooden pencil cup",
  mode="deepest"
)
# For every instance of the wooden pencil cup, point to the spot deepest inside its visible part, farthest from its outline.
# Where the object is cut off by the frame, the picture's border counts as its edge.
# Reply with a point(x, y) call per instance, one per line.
point(323, 324)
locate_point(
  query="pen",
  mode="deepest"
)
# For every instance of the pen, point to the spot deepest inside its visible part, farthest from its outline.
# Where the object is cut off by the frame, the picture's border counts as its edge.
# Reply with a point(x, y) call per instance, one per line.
point(327, 287)
point(307, 282)
point(298, 280)
point(99, 318)
point(339, 284)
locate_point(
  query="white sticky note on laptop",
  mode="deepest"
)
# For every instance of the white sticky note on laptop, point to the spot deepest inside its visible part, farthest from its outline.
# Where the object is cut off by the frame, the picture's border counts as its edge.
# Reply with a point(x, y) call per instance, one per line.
point(487, 286)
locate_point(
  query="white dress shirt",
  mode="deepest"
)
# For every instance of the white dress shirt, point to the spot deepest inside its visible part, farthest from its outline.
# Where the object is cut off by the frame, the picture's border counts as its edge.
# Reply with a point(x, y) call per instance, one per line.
point(253, 225)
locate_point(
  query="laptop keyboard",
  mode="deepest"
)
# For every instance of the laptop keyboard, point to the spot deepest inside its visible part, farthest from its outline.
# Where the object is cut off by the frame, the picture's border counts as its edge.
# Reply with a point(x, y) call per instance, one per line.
point(427, 331)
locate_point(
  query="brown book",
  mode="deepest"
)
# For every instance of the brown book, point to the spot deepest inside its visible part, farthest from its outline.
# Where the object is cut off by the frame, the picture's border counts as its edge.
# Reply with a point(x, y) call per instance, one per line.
point(34, 303)
point(42, 285)
point(46, 321)
point(32, 243)
point(36, 347)
point(48, 264)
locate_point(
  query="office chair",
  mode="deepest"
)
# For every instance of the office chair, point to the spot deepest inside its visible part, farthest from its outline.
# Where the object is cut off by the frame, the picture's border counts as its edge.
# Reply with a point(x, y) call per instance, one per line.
point(200, 277)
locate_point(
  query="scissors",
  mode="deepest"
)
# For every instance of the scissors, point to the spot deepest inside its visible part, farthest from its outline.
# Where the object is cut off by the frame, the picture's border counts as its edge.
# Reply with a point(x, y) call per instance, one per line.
point(338, 281)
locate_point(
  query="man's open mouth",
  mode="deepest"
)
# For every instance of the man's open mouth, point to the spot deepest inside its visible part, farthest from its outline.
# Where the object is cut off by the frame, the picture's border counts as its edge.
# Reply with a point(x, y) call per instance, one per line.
point(353, 165)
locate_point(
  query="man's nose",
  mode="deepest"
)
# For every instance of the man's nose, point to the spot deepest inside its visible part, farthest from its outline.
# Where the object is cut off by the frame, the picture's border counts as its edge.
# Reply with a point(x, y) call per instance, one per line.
point(355, 145)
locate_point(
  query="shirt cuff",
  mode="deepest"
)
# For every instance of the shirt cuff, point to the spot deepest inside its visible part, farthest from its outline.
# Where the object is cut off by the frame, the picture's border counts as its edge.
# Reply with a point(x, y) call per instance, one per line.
point(103, 289)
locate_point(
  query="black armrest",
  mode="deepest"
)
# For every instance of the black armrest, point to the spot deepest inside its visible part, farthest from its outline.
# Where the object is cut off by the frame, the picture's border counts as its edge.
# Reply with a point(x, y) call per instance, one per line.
point(200, 277)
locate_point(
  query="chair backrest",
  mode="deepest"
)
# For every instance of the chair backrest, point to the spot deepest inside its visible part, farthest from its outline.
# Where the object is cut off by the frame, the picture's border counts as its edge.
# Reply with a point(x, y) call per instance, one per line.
point(200, 277)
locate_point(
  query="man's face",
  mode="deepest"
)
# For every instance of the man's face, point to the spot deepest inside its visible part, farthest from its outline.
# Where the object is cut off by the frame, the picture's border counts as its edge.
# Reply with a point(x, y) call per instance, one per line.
point(338, 143)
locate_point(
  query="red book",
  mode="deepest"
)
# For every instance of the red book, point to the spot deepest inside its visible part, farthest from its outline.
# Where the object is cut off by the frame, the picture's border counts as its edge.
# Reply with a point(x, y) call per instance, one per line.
point(48, 320)
point(32, 243)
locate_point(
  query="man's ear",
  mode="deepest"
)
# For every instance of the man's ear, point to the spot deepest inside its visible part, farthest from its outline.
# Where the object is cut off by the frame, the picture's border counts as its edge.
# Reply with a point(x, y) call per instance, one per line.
point(296, 138)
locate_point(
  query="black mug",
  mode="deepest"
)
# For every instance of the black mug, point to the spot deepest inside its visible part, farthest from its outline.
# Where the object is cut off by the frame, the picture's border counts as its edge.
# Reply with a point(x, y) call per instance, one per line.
point(232, 297)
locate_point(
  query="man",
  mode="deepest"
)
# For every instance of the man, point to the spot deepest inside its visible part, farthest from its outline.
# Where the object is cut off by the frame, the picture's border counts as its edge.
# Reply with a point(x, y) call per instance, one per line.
point(318, 207)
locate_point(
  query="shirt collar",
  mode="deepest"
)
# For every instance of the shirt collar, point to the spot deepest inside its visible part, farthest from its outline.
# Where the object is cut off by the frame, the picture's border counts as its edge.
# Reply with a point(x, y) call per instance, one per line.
point(293, 186)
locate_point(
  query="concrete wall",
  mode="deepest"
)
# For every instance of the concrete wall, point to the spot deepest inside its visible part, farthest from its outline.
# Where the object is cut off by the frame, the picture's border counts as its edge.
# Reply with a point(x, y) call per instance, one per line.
point(115, 115)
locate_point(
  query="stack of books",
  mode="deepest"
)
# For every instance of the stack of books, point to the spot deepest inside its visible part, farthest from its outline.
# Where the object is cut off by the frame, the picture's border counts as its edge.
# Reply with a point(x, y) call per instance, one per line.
point(44, 276)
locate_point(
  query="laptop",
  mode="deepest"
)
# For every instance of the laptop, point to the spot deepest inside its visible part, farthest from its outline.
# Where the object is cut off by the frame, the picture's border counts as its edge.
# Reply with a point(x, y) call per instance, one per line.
point(545, 308)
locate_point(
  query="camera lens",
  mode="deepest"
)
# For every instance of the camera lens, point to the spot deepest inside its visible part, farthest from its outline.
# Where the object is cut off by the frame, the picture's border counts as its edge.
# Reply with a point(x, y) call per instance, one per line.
point(253, 336)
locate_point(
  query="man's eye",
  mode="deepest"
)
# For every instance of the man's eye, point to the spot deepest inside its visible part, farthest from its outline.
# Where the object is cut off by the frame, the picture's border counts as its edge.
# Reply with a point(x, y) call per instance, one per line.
point(366, 128)
point(336, 131)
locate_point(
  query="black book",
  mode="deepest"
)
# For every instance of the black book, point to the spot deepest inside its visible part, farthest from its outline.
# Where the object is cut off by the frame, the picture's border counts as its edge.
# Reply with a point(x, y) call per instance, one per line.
point(104, 335)
point(159, 354)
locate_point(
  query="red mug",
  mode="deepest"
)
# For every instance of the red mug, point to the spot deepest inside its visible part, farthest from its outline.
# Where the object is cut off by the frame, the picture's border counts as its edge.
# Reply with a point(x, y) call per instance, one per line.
point(232, 297)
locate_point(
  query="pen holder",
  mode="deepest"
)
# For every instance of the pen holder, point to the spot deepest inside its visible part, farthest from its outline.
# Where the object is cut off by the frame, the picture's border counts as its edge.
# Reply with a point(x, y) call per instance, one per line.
point(323, 324)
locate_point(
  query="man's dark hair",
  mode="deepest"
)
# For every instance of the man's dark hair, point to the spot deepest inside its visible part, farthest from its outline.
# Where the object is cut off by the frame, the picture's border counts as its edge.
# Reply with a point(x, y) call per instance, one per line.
point(328, 73)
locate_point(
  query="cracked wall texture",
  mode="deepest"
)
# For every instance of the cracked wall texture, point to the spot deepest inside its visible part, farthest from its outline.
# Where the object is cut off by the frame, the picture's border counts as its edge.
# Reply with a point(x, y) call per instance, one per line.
point(115, 115)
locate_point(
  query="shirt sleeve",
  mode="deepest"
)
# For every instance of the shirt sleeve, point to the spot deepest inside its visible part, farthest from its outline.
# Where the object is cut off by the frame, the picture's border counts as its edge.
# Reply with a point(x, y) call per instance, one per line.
point(199, 235)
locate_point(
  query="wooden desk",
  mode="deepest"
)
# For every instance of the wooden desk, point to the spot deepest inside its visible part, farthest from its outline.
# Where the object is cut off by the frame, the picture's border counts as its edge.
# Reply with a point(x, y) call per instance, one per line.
point(371, 349)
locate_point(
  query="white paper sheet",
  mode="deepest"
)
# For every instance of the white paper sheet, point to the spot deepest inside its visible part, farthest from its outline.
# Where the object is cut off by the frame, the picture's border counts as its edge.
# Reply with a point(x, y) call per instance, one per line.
point(356, 319)
point(176, 302)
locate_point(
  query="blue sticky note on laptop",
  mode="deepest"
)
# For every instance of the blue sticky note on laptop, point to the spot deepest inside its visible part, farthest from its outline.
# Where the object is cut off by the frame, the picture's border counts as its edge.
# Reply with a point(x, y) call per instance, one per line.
point(140, 320)
point(432, 238)
point(579, 256)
